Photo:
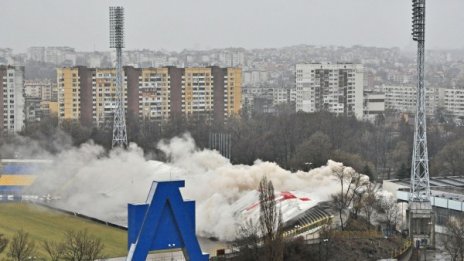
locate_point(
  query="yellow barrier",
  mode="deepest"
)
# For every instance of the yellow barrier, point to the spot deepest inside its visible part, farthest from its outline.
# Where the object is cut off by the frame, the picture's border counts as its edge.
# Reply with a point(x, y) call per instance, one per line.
point(406, 245)
point(357, 234)
point(307, 227)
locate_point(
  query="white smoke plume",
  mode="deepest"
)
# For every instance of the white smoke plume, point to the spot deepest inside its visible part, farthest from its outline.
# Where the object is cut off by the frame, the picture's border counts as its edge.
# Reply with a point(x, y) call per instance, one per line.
point(90, 181)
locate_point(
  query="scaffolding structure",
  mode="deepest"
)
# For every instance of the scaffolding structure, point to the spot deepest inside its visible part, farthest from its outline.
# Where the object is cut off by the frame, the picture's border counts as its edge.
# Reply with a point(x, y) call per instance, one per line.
point(117, 42)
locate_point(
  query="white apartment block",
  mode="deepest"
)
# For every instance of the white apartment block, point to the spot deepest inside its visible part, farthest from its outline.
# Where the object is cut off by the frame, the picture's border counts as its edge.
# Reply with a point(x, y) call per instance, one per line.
point(374, 104)
point(231, 58)
point(255, 77)
point(453, 102)
point(283, 95)
point(403, 98)
point(56, 55)
point(12, 98)
point(337, 88)
point(39, 89)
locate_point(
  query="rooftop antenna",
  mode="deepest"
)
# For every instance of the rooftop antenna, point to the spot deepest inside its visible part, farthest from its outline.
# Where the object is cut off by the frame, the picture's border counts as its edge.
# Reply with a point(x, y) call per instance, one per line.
point(117, 42)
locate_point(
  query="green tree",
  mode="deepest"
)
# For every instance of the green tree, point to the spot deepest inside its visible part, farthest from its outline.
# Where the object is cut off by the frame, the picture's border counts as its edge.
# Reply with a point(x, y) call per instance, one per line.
point(315, 150)
point(368, 172)
point(403, 172)
point(353, 160)
point(450, 160)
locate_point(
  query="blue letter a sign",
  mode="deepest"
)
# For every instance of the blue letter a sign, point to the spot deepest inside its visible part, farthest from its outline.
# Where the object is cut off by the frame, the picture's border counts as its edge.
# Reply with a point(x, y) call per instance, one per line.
point(164, 222)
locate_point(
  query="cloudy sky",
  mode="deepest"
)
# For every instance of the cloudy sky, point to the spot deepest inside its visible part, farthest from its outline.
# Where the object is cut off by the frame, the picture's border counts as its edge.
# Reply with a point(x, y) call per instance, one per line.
point(205, 24)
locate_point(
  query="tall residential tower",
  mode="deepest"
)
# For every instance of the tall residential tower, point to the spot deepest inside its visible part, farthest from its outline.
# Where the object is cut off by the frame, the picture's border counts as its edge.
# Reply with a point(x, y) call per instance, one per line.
point(11, 98)
point(87, 94)
point(336, 88)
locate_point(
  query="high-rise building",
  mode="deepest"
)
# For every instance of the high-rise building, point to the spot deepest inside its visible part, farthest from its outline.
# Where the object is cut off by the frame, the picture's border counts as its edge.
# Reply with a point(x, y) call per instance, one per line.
point(104, 94)
point(88, 94)
point(69, 88)
point(12, 98)
point(337, 88)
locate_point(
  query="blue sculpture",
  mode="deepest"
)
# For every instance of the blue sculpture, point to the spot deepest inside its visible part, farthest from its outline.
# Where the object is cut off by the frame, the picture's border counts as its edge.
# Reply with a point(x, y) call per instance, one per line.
point(165, 221)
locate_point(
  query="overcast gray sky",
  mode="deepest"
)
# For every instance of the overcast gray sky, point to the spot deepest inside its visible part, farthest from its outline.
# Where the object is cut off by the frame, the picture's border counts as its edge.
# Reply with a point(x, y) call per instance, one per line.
point(201, 24)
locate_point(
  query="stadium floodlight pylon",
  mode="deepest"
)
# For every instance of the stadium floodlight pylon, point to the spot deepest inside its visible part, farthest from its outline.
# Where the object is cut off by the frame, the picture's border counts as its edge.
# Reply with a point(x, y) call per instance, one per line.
point(420, 184)
point(420, 214)
point(117, 42)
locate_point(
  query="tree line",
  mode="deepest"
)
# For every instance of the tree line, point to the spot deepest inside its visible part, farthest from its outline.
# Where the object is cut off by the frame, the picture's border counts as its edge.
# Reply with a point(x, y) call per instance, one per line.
point(296, 141)
point(75, 246)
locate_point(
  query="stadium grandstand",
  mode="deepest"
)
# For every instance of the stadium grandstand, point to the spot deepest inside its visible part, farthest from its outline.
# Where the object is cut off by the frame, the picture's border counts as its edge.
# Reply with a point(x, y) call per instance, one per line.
point(447, 196)
point(18, 174)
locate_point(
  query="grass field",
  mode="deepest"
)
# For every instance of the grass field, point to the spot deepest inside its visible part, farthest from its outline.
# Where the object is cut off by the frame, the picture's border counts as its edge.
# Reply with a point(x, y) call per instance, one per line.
point(44, 224)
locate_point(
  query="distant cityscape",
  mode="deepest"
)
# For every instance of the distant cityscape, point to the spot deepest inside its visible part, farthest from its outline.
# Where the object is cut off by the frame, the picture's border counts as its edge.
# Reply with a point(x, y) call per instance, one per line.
point(360, 81)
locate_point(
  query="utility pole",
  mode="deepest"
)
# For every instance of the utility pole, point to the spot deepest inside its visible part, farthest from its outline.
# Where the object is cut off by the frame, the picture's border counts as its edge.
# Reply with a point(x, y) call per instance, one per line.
point(117, 42)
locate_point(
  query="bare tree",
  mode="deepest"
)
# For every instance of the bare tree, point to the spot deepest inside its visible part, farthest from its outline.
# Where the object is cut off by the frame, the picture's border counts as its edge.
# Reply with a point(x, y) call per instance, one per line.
point(247, 242)
point(454, 238)
point(270, 220)
point(369, 202)
point(54, 249)
point(350, 183)
point(391, 212)
point(81, 246)
point(21, 247)
point(264, 240)
point(3, 243)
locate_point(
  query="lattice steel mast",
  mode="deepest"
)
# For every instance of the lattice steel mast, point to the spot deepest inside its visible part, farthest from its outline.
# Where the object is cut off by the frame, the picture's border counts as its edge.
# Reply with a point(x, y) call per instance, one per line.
point(420, 214)
point(420, 187)
point(117, 42)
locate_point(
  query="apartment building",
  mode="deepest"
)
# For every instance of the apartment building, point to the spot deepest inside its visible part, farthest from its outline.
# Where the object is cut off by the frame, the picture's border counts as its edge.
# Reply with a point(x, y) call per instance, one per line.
point(453, 102)
point(88, 94)
point(403, 98)
point(103, 96)
point(337, 88)
point(12, 98)
point(283, 95)
point(374, 104)
point(44, 90)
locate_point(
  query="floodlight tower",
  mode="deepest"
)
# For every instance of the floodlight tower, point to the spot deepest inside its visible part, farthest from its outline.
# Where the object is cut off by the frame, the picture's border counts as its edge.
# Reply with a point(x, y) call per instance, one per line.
point(420, 215)
point(117, 42)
